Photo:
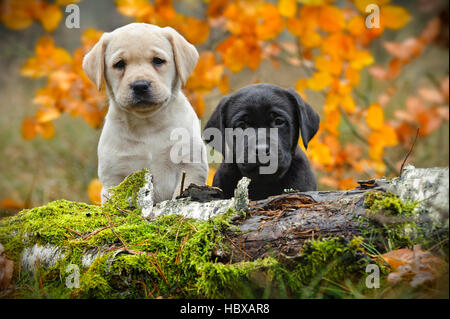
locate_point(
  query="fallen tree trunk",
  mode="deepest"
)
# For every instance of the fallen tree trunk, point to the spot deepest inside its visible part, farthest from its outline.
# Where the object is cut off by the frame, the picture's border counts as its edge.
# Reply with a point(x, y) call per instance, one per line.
point(199, 246)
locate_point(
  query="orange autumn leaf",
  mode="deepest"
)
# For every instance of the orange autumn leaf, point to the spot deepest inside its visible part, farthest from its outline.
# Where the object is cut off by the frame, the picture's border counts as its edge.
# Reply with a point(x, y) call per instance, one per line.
point(325, 64)
point(194, 30)
point(132, 8)
point(29, 129)
point(224, 84)
point(398, 257)
point(347, 183)
point(207, 74)
point(46, 129)
point(332, 121)
point(331, 19)
point(394, 17)
point(356, 26)
point(375, 116)
point(11, 204)
point(353, 76)
point(20, 14)
point(16, 15)
point(50, 17)
point(198, 103)
point(47, 58)
point(94, 191)
point(389, 135)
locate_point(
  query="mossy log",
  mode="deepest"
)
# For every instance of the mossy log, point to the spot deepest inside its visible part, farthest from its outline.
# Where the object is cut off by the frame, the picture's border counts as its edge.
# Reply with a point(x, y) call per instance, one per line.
point(201, 246)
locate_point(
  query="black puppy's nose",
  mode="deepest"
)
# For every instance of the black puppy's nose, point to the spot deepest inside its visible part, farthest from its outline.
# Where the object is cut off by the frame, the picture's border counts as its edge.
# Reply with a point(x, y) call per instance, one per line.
point(140, 86)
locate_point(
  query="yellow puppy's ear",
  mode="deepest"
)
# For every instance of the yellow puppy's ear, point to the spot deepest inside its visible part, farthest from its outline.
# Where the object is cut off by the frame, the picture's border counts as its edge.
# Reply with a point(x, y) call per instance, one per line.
point(185, 54)
point(94, 62)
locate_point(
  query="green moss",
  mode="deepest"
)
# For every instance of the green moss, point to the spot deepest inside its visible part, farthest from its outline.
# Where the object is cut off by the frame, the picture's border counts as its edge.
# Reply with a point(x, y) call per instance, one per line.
point(392, 221)
point(170, 257)
point(124, 195)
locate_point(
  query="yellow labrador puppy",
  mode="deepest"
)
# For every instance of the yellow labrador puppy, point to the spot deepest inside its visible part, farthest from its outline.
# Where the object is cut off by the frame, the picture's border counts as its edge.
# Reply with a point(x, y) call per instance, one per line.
point(144, 67)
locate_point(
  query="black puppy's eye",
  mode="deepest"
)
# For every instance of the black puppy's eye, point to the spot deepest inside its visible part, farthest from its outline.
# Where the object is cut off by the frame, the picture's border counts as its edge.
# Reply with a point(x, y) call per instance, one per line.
point(279, 121)
point(158, 61)
point(119, 65)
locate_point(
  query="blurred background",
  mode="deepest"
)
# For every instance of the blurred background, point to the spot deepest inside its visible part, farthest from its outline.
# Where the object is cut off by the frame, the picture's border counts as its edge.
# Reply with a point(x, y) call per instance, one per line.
point(374, 87)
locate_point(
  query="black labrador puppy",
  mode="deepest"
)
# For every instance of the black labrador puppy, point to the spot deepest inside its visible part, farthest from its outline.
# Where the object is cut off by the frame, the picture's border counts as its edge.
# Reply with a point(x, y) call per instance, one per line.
point(257, 131)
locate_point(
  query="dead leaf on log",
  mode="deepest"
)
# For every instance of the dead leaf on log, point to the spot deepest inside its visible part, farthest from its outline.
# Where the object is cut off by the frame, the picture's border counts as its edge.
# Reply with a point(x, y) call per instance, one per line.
point(414, 266)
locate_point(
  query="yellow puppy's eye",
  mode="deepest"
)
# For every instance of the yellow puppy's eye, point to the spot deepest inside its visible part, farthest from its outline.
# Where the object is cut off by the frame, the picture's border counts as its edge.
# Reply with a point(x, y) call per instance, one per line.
point(119, 65)
point(157, 61)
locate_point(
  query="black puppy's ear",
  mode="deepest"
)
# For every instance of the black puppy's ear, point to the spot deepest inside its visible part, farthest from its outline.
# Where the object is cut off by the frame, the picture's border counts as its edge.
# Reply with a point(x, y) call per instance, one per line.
point(308, 119)
point(217, 121)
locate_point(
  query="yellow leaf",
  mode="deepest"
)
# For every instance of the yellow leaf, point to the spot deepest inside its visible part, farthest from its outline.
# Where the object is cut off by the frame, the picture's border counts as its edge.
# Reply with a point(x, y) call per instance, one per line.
point(389, 135)
point(394, 17)
point(319, 81)
point(45, 96)
point(378, 164)
point(348, 103)
point(90, 37)
point(375, 116)
point(310, 39)
point(333, 66)
point(356, 26)
point(301, 85)
point(50, 17)
point(361, 59)
point(376, 146)
point(33, 68)
point(332, 121)
point(45, 46)
point(361, 5)
point(353, 76)
point(210, 178)
point(287, 8)
point(61, 56)
point(16, 23)
point(94, 191)
point(320, 153)
point(47, 114)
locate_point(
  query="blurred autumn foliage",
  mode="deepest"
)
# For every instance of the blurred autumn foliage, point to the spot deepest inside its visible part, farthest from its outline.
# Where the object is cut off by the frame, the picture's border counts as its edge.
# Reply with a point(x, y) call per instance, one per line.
point(329, 40)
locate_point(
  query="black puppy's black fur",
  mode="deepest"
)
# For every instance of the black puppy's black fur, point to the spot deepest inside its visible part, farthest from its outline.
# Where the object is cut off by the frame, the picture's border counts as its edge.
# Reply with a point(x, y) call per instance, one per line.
point(266, 106)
